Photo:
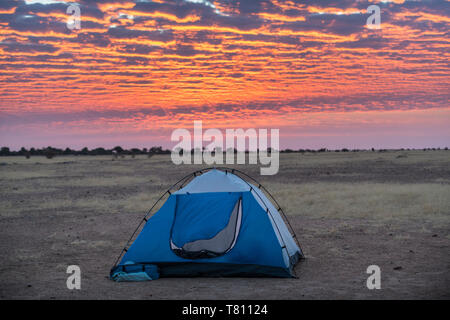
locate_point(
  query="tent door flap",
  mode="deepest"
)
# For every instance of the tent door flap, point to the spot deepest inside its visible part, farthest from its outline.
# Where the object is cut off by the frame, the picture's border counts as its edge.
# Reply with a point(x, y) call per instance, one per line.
point(216, 246)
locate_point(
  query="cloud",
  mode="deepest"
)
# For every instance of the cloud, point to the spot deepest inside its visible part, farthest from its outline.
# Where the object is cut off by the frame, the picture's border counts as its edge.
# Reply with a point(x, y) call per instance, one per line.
point(14, 46)
point(219, 58)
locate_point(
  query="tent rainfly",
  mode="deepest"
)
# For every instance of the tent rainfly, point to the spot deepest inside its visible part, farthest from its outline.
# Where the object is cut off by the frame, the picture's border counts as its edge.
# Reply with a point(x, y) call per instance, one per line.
point(217, 225)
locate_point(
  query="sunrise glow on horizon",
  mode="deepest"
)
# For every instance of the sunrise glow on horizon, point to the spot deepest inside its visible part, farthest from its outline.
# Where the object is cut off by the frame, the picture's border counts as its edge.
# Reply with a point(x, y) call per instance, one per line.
point(136, 70)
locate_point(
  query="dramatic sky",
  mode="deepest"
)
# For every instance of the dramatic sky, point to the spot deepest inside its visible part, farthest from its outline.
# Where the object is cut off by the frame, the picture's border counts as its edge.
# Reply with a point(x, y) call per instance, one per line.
point(136, 70)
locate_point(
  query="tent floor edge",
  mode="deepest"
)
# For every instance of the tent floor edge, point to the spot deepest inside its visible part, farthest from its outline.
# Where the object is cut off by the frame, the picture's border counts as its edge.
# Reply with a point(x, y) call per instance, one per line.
point(209, 270)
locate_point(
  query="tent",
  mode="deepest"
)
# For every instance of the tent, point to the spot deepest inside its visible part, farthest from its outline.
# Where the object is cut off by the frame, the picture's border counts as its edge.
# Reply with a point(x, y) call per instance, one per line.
point(218, 224)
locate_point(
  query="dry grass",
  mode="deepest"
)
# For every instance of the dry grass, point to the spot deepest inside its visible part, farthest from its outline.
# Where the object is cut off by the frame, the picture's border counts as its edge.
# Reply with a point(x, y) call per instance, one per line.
point(138, 203)
point(61, 184)
point(406, 157)
point(349, 210)
point(371, 200)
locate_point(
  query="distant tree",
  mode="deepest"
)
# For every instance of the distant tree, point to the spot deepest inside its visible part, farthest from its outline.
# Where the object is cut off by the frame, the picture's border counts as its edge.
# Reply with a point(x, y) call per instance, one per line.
point(156, 150)
point(49, 153)
point(23, 151)
point(4, 151)
point(99, 151)
point(118, 149)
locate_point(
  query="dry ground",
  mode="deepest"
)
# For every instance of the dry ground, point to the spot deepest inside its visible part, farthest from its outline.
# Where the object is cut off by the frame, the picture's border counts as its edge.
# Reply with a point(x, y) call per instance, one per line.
point(349, 210)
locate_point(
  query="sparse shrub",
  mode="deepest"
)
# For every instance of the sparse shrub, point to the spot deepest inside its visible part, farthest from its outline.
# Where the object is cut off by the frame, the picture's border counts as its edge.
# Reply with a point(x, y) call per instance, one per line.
point(49, 154)
point(68, 151)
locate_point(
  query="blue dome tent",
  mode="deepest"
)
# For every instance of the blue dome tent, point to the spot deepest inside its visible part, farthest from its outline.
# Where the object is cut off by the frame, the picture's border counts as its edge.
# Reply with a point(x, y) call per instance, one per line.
point(218, 224)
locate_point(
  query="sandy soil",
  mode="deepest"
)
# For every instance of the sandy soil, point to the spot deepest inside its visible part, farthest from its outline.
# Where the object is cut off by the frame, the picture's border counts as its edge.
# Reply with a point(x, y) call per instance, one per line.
point(349, 210)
